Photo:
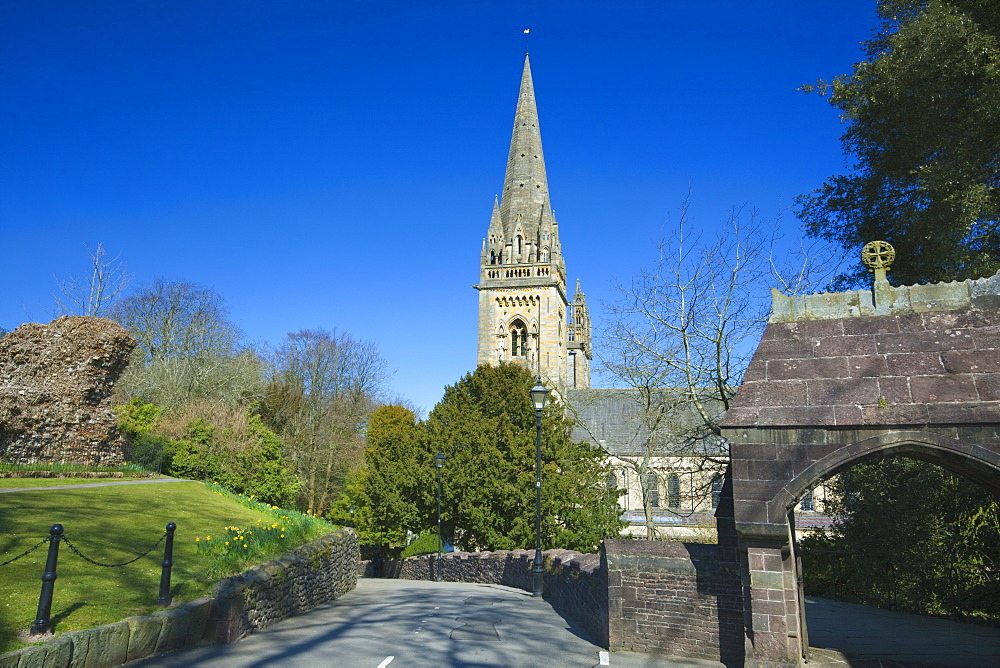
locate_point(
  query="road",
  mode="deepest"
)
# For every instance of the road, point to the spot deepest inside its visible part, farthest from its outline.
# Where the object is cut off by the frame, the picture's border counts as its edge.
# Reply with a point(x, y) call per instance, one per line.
point(401, 623)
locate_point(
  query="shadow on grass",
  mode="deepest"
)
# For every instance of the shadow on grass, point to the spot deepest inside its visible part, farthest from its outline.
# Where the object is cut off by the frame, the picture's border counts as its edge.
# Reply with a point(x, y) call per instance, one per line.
point(65, 614)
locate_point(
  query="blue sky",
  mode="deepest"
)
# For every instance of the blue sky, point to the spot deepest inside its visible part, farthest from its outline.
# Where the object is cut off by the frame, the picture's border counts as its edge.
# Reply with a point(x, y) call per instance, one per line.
point(333, 164)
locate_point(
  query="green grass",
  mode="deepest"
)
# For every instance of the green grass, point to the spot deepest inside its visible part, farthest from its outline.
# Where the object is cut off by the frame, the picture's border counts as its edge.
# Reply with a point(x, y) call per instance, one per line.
point(16, 483)
point(112, 524)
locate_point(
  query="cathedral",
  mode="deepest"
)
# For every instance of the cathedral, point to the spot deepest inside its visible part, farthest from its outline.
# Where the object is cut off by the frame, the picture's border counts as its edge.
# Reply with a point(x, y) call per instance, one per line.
point(525, 313)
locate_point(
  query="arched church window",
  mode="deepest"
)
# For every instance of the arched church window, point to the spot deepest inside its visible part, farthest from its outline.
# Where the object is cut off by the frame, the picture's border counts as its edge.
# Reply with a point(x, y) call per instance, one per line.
point(493, 257)
point(717, 482)
point(673, 491)
point(612, 480)
point(808, 503)
point(652, 487)
point(518, 339)
point(545, 255)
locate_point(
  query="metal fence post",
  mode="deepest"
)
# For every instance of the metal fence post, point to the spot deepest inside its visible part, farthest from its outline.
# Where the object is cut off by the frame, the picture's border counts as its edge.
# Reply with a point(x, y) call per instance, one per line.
point(168, 561)
point(43, 623)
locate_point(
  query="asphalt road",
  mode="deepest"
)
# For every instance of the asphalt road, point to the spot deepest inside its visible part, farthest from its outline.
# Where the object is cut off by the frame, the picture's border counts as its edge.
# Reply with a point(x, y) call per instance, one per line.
point(397, 623)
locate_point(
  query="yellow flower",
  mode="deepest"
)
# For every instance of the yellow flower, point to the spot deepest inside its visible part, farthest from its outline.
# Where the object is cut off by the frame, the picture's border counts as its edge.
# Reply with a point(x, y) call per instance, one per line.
point(245, 545)
point(227, 543)
point(197, 540)
point(282, 535)
point(208, 538)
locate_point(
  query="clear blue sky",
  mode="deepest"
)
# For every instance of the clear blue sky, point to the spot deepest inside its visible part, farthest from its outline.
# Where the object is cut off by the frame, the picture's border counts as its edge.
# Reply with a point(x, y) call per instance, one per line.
point(333, 163)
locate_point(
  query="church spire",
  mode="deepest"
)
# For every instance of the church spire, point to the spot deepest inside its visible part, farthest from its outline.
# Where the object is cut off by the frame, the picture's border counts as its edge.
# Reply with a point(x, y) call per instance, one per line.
point(525, 198)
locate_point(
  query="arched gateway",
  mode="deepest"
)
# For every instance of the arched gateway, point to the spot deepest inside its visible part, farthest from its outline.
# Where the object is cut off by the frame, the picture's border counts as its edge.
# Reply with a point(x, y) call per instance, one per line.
point(839, 378)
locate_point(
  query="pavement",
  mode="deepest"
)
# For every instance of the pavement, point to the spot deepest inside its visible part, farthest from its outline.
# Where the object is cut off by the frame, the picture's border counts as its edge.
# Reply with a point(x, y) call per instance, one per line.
point(406, 623)
point(845, 634)
point(403, 623)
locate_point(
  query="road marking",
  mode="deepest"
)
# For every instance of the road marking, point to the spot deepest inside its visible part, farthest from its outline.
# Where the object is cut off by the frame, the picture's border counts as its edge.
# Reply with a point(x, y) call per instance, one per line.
point(387, 661)
point(604, 657)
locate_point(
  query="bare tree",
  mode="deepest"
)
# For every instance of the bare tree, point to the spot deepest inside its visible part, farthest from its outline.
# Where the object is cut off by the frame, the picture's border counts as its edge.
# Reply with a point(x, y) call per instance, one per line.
point(95, 293)
point(173, 319)
point(323, 387)
point(679, 340)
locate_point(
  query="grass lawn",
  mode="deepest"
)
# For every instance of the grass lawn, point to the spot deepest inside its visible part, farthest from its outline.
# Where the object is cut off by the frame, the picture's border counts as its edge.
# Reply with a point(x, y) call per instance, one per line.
point(108, 524)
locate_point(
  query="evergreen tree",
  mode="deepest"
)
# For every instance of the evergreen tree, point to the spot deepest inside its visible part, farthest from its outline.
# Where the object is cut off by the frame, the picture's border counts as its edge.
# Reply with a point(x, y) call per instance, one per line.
point(922, 113)
point(485, 427)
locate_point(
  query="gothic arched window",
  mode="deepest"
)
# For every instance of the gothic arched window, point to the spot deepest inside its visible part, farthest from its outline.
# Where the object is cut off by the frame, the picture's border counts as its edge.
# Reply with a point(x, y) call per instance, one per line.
point(493, 257)
point(673, 491)
point(652, 488)
point(717, 482)
point(518, 339)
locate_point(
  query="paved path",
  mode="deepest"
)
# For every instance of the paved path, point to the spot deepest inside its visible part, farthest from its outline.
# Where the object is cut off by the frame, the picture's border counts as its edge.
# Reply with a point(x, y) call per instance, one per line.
point(896, 638)
point(398, 623)
point(403, 623)
point(95, 484)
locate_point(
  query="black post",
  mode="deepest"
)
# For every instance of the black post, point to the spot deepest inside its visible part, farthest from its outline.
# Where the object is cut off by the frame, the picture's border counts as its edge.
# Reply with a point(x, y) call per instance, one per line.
point(537, 567)
point(42, 623)
point(168, 561)
point(439, 571)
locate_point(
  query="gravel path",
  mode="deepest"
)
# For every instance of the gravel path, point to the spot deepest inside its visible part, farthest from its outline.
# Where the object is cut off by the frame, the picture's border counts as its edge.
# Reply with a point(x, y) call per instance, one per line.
point(95, 484)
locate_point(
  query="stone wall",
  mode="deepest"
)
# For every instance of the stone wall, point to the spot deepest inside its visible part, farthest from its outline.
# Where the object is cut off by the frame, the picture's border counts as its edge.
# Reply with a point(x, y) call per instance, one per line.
point(315, 573)
point(321, 571)
point(574, 583)
point(55, 390)
point(677, 599)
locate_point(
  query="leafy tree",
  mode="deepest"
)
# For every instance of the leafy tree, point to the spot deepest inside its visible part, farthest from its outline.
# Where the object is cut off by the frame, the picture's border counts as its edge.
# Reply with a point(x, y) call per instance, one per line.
point(485, 427)
point(922, 112)
point(394, 458)
point(910, 536)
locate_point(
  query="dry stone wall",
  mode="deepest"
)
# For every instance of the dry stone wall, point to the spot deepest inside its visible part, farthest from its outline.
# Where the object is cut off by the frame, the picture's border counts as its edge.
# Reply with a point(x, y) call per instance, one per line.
point(55, 390)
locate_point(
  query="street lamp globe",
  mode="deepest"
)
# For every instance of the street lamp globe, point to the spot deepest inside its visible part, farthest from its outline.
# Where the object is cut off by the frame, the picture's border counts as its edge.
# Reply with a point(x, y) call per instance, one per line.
point(539, 395)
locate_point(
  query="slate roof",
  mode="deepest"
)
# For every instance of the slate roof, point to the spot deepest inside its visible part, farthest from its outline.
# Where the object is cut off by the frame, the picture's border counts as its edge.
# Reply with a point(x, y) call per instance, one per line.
point(614, 419)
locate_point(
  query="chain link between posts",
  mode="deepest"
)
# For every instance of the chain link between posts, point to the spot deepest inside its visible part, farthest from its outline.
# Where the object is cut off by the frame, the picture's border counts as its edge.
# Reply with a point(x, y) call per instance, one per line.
point(124, 563)
point(28, 551)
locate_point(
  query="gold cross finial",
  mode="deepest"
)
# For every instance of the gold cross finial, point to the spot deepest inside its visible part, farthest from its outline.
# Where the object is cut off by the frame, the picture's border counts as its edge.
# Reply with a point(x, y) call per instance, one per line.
point(878, 256)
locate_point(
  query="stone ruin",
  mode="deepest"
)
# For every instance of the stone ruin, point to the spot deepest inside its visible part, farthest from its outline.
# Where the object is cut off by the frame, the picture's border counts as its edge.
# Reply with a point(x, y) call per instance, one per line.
point(55, 391)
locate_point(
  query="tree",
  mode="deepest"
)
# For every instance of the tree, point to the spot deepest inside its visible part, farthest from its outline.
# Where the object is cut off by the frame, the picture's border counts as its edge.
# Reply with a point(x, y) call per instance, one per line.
point(679, 339)
point(485, 427)
point(95, 294)
point(188, 348)
point(938, 553)
point(171, 319)
point(323, 385)
point(922, 111)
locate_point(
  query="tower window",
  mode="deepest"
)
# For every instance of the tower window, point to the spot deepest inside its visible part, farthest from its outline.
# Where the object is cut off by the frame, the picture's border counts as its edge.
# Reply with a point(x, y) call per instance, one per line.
point(808, 503)
point(493, 257)
point(518, 339)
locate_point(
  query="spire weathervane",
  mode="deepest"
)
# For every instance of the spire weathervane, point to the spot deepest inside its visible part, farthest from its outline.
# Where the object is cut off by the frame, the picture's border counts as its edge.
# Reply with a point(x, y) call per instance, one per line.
point(527, 31)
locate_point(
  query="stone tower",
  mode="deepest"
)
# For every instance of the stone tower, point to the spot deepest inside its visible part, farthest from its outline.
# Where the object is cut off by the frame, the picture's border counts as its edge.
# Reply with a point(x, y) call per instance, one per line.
point(525, 315)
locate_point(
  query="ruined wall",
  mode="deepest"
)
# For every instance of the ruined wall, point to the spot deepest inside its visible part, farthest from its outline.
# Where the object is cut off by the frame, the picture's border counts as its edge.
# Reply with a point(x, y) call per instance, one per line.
point(55, 389)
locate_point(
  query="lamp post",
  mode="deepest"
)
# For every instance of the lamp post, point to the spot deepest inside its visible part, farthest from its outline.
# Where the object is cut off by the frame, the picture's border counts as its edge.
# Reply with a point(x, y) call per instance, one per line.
point(538, 396)
point(438, 463)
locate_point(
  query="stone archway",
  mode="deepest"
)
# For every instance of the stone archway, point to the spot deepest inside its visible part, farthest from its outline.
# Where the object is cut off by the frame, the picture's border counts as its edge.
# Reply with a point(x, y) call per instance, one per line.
point(839, 378)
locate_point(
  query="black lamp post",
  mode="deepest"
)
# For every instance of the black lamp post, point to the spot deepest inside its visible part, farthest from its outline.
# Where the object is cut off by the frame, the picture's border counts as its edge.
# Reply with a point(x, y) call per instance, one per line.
point(538, 396)
point(439, 462)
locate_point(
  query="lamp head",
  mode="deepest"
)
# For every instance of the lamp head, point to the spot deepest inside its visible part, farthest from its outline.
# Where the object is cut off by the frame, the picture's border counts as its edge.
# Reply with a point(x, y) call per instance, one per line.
point(539, 394)
point(439, 459)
